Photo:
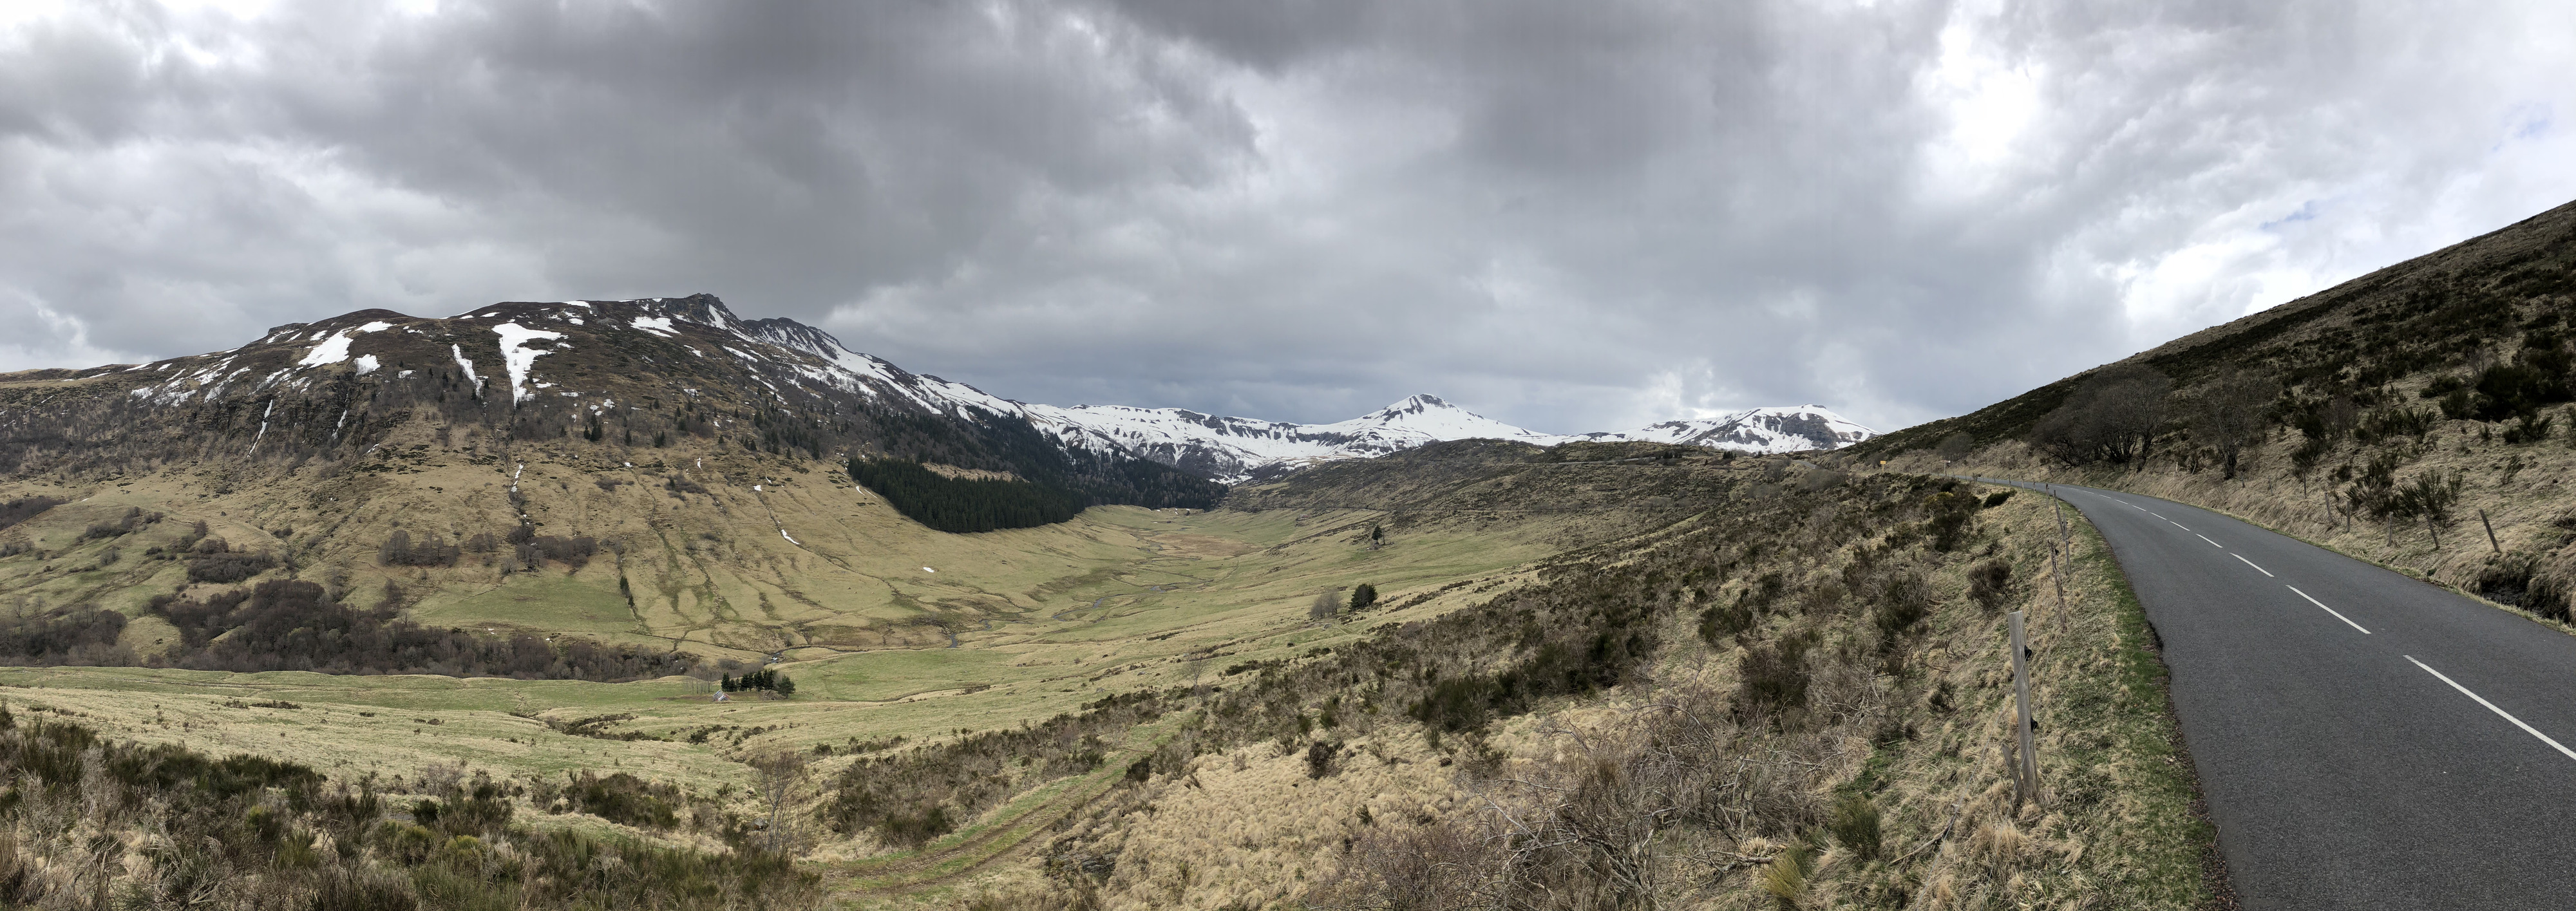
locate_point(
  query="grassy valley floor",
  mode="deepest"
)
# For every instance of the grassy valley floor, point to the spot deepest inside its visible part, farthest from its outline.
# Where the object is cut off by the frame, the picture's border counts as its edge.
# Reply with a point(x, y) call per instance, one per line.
point(1139, 708)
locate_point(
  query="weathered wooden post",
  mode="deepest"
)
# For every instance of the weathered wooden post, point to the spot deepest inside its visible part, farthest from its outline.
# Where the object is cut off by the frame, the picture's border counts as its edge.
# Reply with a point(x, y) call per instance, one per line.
point(2057, 575)
point(2065, 545)
point(2027, 770)
point(2491, 541)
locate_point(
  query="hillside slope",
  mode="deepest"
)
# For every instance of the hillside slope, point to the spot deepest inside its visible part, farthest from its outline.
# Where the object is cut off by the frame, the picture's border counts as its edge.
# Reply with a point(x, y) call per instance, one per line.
point(2419, 416)
point(1791, 685)
point(608, 378)
point(2459, 308)
point(655, 476)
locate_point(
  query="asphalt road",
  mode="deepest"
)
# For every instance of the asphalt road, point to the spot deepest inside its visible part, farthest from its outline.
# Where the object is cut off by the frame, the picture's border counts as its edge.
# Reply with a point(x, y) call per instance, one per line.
point(2365, 740)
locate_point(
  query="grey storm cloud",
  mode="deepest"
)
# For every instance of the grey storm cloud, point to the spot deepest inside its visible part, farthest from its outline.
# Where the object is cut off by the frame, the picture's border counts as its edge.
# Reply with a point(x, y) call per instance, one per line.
point(1572, 216)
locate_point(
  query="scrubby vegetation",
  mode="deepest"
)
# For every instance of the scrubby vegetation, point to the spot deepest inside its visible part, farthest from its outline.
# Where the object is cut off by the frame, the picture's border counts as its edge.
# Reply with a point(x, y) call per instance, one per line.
point(95, 824)
point(1828, 694)
point(78, 635)
point(400, 550)
point(916, 795)
point(21, 509)
point(625, 799)
point(215, 562)
point(2478, 327)
point(133, 520)
point(962, 504)
point(2380, 417)
point(293, 626)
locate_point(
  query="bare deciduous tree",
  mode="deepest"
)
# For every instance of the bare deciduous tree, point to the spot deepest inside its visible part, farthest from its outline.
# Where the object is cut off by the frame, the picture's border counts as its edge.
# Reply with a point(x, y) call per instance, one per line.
point(2228, 415)
point(780, 776)
point(2112, 418)
point(1324, 607)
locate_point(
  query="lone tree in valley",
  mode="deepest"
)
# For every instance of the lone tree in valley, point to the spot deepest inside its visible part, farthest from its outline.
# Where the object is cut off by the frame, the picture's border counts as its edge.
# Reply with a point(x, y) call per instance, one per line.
point(1363, 596)
point(778, 777)
point(1324, 607)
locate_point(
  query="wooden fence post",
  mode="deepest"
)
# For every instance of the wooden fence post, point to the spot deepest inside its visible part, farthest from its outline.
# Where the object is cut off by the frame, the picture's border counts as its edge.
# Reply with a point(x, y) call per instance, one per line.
point(2065, 545)
point(2027, 770)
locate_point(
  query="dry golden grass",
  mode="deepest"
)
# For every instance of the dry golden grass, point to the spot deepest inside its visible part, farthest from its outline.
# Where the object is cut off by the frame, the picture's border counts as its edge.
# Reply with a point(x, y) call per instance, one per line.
point(1247, 827)
point(2524, 491)
point(864, 608)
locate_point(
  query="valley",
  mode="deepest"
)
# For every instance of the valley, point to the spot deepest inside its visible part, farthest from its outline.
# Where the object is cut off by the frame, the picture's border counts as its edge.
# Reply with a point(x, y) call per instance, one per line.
point(1497, 671)
point(990, 718)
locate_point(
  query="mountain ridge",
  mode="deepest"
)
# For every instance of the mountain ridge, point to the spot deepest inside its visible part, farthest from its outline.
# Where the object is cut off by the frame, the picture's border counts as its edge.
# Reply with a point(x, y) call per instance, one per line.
point(1239, 450)
point(826, 375)
point(629, 377)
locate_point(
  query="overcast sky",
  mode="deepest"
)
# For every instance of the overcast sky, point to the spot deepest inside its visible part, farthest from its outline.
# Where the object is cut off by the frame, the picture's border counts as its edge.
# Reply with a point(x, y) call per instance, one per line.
point(1575, 216)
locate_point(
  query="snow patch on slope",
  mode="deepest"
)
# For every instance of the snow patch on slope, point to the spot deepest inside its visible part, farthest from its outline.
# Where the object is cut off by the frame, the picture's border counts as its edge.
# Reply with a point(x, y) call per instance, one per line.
point(336, 348)
point(517, 358)
point(1234, 450)
point(469, 368)
point(1756, 430)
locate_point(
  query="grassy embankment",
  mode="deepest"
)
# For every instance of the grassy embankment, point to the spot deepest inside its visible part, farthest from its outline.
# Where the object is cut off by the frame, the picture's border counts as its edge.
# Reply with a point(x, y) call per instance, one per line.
point(1908, 718)
point(2522, 490)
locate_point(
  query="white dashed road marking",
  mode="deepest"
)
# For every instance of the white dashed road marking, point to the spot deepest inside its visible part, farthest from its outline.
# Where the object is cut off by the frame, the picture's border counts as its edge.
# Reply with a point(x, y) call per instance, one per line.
point(2322, 605)
point(2508, 716)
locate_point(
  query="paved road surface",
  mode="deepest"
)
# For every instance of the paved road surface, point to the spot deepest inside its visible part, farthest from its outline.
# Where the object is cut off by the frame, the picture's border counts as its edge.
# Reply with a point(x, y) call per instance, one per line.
point(2366, 740)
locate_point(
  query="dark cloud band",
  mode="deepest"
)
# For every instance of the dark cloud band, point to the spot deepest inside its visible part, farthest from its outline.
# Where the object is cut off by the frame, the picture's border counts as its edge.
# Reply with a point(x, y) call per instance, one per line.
point(1568, 216)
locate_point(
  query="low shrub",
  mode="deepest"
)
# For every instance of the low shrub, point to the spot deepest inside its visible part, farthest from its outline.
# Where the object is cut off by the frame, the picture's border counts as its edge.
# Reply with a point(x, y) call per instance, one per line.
point(225, 566)
point(1990, 583)
point(132, 521)
point(1775, 675)
point(24, 508)
point(1855, 825)
point(625, 799)
point(1320, 756)
point(286, 625)
point(74, 636)
point(400, 550)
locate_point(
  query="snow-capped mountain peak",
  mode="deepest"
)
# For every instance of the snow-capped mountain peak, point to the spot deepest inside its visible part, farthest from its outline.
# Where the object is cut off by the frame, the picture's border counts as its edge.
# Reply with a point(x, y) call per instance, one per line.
point(1235, 450)
point(1434, 419)
point(1761, 430)
point(548, 357)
